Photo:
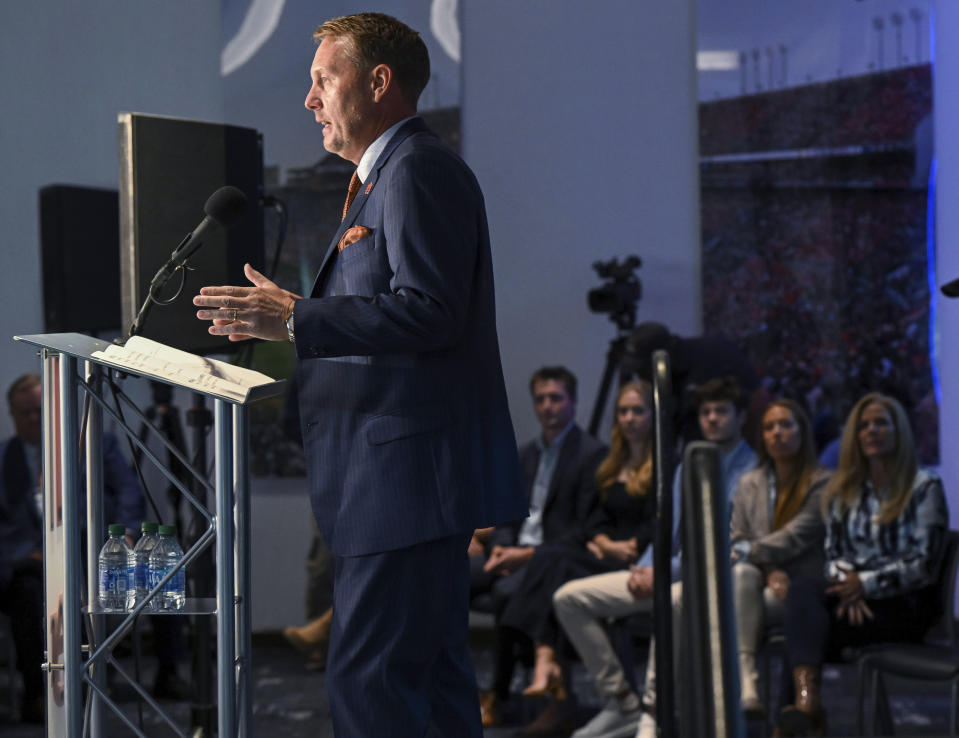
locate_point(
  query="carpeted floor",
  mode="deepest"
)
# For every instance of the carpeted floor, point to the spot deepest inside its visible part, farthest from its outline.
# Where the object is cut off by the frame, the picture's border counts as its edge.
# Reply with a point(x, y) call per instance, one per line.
point(290, 701)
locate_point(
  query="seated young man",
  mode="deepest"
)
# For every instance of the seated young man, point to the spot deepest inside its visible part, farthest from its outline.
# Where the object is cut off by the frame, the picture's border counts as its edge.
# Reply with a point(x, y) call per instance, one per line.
point(583, 605)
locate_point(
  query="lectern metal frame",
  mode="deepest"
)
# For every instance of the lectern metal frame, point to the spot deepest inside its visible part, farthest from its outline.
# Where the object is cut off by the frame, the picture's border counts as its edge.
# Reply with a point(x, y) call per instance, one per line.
point(229, 528)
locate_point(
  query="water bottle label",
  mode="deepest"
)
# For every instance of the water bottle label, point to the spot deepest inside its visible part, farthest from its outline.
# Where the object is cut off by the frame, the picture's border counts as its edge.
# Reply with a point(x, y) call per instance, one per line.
point(114, 580)
point(176, 584)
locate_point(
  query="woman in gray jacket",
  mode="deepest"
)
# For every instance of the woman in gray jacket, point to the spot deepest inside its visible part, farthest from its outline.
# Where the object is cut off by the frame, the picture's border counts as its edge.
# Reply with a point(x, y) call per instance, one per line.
point(776, 531)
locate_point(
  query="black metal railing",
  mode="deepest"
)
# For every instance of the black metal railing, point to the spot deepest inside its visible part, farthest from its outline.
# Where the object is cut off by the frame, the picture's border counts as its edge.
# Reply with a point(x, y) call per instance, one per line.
point(710, 671)
point(663, 541)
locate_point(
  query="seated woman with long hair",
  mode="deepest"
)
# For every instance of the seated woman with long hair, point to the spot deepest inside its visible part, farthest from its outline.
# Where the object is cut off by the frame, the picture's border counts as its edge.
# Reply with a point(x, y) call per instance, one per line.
point(886, 521)
point(618, 529)
point(776, 531)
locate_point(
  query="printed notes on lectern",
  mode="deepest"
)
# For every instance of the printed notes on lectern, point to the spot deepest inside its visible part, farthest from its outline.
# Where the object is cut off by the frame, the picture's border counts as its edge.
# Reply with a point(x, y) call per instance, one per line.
point(149, 357)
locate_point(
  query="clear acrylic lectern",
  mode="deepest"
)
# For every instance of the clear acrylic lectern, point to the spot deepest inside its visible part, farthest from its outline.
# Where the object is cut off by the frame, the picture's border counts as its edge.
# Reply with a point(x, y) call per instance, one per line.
point(76, 693)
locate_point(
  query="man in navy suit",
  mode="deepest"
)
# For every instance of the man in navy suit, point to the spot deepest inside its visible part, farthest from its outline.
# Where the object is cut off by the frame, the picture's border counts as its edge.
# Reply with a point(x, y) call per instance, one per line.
point(559, 475)
point(403, 408)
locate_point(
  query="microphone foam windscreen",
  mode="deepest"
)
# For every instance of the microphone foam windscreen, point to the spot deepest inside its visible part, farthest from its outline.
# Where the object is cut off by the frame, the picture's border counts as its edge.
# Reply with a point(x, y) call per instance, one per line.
point(226, 205)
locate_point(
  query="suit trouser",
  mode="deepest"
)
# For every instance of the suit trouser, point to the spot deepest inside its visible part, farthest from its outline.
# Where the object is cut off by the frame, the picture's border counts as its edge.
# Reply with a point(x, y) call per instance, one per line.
point(399, 664)
point(581, 606)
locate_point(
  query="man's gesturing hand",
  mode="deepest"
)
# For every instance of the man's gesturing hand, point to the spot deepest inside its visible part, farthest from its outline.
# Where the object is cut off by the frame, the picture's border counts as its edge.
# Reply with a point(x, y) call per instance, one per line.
point(247, 312)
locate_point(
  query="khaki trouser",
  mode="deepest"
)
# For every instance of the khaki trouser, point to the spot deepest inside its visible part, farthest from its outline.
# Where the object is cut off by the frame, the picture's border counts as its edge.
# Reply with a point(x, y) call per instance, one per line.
point(582, 606)
point(756, 608)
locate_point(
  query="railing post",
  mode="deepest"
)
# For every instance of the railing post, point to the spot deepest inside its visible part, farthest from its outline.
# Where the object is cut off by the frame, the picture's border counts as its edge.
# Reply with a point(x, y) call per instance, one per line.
point(709, 632)
point(663, 542)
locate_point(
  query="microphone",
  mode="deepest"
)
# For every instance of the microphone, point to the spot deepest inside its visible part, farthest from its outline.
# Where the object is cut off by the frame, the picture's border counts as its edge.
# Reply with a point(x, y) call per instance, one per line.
point(951, 289)
point(223, 209)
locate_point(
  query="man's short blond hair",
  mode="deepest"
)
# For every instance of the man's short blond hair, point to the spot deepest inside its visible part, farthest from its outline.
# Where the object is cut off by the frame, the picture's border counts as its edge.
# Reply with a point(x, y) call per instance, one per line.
point(377, 38)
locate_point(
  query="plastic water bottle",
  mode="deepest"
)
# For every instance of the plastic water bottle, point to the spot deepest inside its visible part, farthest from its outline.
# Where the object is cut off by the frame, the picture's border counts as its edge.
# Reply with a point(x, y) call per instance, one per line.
point(141, 552)
point(117, 591)
point(165, 555)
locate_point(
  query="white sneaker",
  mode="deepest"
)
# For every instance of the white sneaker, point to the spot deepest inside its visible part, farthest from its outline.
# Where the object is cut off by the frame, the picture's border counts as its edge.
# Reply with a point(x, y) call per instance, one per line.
point(647, 726)
point(610, 722)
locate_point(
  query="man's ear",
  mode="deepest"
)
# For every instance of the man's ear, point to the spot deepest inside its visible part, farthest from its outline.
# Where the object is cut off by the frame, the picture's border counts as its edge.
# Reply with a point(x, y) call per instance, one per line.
point(381, 79)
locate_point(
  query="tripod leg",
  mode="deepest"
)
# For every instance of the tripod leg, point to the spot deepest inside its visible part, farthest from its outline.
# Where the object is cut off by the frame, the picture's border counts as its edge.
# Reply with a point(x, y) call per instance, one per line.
point(612, 363)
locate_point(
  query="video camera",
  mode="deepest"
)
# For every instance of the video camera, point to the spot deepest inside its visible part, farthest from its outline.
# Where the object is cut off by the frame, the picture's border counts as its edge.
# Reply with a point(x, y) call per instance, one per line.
point(620, 293)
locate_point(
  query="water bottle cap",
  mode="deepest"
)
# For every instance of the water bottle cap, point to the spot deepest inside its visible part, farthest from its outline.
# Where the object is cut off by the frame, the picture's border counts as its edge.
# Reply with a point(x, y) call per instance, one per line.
point(117, 529)
point(167, 530)
point(149, 527)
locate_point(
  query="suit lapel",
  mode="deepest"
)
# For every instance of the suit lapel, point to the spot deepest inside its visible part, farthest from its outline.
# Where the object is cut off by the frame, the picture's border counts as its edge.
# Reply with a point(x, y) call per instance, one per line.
point(530, 463)
point(414, 125)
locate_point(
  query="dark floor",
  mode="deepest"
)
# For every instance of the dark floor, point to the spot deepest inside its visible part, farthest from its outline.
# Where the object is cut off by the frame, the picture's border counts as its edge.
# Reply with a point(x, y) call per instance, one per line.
point(290, 701)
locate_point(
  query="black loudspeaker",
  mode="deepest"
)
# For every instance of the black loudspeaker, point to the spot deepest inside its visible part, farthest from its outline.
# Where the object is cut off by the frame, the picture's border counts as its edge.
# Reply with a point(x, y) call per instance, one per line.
point(80, 257)
point(169, 167)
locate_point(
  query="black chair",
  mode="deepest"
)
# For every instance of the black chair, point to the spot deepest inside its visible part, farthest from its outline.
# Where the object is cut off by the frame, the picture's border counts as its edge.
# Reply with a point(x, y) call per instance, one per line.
point(935, 661)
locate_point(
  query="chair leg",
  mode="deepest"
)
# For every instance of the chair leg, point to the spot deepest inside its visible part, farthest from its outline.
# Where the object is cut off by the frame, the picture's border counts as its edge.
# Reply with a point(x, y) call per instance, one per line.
point(952, 707)
point(864, 672)
point(767, 698)
point(874, 687)
point(882, 707)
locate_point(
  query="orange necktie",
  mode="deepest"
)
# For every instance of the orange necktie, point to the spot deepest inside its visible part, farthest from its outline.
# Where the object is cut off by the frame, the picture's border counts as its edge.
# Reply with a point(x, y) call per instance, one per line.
point(351, 193)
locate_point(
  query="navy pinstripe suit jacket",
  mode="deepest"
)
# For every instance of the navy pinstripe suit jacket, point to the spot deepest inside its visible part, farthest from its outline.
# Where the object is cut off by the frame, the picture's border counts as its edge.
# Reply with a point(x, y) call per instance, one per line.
point(402, 401)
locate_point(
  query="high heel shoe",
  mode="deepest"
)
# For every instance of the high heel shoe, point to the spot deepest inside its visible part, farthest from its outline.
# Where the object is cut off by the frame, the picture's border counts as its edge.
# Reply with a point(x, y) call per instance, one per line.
point(551, 684)
point(313, 635)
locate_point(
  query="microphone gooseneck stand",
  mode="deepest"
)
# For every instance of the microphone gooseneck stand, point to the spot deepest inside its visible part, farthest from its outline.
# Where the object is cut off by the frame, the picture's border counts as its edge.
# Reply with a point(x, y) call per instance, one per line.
point(223, 209)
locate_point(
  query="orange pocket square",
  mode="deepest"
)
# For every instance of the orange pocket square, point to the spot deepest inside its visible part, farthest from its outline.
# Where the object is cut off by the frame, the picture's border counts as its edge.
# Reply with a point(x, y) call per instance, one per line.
point(353, 235)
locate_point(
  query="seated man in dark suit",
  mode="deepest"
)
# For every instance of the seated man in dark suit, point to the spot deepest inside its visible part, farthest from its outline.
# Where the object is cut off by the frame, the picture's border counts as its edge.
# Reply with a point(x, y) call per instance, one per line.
point(21, 530)
point(559, 470)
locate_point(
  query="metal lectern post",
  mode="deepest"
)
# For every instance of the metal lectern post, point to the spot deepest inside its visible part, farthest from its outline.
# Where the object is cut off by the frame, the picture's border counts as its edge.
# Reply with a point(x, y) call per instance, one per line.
point(225, 606)
point(70, 469)
point(95, 522)
point(244, 566)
